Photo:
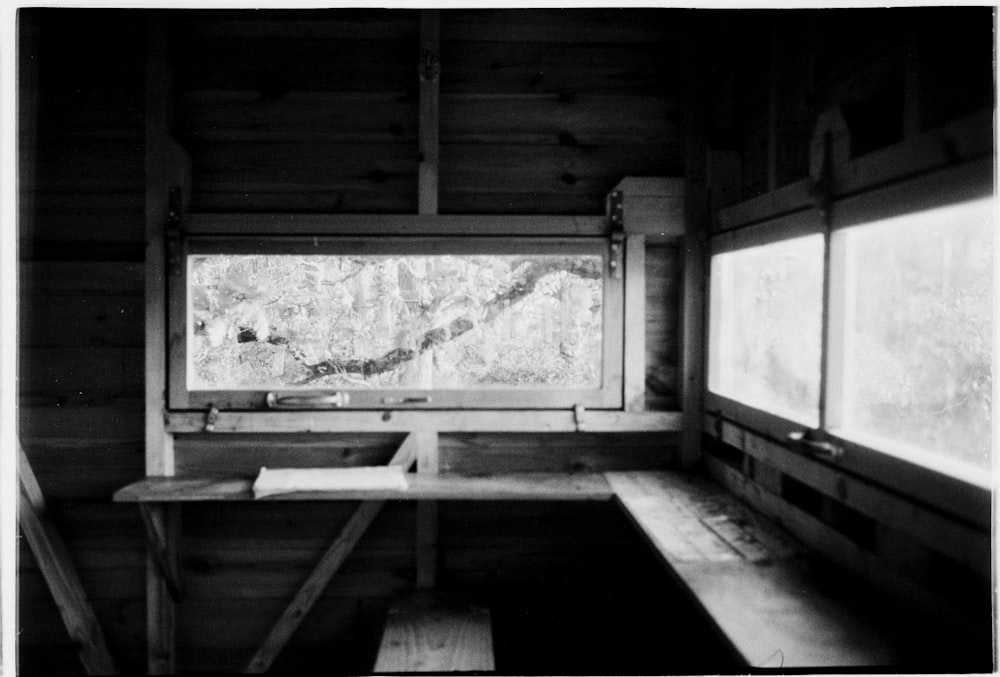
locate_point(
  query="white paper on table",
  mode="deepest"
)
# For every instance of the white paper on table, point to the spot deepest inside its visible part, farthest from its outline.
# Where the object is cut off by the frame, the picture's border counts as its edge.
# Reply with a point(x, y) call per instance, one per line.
point(273, 481)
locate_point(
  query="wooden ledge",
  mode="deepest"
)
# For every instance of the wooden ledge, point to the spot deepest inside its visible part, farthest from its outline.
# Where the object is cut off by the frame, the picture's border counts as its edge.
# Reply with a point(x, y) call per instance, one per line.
point(512, 487)
point(444, 421)
point(750, 579)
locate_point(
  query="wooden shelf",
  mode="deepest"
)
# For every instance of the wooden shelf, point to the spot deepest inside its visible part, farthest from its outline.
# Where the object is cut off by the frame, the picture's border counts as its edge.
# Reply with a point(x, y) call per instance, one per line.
point(751, 579)
point(445, 421)
point(513, 487)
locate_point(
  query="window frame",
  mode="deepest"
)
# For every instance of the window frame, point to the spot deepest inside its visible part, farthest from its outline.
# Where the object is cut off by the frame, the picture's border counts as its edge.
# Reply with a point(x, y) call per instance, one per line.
point(609, 395)
point(964, 494)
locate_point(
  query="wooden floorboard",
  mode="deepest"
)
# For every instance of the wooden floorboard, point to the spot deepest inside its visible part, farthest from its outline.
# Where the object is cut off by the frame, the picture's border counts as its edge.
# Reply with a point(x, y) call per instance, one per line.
point(431, 636)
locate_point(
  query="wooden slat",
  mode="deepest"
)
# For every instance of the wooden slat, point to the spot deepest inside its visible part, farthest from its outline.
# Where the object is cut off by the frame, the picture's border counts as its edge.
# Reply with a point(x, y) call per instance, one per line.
point(367, 117)
point(60, 575)
point(901, 587)
point(435, 637)
point(490, 168)
point(576, 25)
point(239, 455)
point(558, 68)
point(325, 569)
point(486, 454)
point(513, 487)
point(397, 224)
point(443, 421)
point(926, 525)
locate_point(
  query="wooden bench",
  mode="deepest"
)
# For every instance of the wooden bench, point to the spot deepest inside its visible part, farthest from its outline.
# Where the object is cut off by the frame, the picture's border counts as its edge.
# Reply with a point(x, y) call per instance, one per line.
point(751, 580)
point(430, 634)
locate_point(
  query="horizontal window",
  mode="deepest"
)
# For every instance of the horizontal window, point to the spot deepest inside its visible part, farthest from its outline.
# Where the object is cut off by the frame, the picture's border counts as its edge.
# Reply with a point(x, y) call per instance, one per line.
point(765, 327)
point(486, 323)
point(912, 345)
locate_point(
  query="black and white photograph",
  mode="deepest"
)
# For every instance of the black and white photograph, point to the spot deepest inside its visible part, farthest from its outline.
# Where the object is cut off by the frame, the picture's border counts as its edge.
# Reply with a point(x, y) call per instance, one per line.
point(593, 339)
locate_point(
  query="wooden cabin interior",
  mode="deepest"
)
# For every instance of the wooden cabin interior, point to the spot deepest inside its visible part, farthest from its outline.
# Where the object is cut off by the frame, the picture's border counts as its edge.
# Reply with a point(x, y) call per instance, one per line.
point(760, 437)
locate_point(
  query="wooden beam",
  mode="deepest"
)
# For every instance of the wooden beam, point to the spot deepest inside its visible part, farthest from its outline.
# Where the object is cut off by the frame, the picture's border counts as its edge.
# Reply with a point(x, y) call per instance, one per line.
point(635, 324)
point(166, 167)
point(515, 420)
point(321, 575)
point(60, 576)
point(161, 592)
point(695, 234)
point(427, 200)
point(555, 225)
point(427, 513)
point(430, 94)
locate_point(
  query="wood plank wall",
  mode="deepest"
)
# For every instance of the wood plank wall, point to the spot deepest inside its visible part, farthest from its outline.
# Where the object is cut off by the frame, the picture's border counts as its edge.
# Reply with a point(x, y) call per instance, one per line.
point(860, 60)
point(896, 74)
point(542, 112)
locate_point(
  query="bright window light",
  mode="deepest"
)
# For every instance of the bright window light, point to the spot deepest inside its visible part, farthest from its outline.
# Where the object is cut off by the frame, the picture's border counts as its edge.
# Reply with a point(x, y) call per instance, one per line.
point(766, 325)
point(917, 334)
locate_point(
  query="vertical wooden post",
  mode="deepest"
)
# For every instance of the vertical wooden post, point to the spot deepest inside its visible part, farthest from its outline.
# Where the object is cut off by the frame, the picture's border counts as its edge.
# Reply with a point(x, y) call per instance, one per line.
point(160, 609)
point(427, 200)
point(430, 93)
point(427, 513)
point(635, 319)
point(159, 444)
point(166, 167)
point(772, 106)
point(696, 227)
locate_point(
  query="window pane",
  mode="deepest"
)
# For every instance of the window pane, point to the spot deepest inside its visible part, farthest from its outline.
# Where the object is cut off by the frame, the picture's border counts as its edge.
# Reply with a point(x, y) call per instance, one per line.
point(273, 322)
point(918, 344)
point(765, 327)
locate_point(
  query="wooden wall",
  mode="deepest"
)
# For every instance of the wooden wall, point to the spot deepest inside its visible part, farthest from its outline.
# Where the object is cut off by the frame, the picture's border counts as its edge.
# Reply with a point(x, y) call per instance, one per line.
point(541, 112)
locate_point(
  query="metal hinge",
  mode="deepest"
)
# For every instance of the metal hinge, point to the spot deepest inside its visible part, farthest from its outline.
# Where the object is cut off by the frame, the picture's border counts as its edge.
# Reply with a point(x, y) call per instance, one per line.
point(617, 249)
point(211, 418)
point(578, 412)
point(616, 210)
point(815, 443)
point(173, 231)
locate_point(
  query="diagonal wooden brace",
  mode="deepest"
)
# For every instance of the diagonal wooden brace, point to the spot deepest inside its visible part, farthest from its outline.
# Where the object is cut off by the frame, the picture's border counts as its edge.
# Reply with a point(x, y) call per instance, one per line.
point(325, 570)
point(60, 575)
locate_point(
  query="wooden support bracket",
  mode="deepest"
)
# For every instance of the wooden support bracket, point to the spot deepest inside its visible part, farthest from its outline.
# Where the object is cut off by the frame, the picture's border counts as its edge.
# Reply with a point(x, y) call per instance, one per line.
point(325, 570)
point(427, 513)
point(60, 575)
point(160, 541)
